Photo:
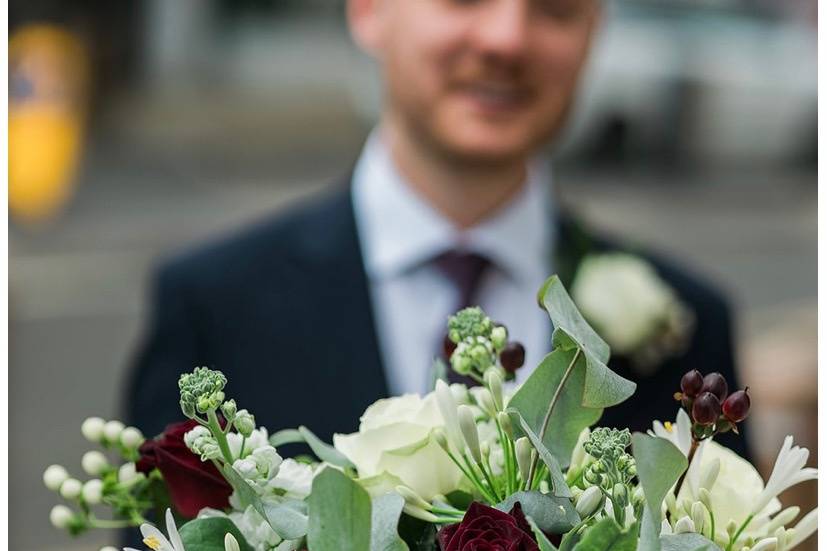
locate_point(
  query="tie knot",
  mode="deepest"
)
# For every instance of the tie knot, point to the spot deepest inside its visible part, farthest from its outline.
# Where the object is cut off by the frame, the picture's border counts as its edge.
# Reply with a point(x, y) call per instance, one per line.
point(464, 270)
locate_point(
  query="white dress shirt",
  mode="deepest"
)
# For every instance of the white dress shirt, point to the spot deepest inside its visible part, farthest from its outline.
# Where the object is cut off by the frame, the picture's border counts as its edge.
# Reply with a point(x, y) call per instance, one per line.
point(400, 234)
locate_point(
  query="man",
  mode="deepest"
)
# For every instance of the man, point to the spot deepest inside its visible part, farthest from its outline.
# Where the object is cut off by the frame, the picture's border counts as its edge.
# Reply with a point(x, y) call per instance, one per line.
point(315, 314)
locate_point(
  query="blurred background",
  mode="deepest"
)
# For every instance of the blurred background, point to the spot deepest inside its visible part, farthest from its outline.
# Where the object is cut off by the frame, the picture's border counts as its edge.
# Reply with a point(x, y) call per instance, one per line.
point(139, 127)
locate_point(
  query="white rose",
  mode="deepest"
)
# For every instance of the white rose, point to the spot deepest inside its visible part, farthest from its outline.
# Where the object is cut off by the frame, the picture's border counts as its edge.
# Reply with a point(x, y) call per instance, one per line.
point(736, 488)
point(395, 438)
point(623, 297)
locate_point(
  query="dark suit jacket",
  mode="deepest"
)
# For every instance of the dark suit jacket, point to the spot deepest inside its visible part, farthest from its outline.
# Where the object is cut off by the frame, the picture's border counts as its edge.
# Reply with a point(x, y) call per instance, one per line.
point(283, 310)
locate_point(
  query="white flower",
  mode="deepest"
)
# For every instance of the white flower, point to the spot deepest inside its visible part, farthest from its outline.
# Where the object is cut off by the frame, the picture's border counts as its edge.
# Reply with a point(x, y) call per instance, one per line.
point(579, 457)
point(623, 297)
point(447, 404)
point(54, 476)
point(155, 539)
point(294, 478)
point(679, 432)
point(92, 491)
point(805, 528)
point(788, 471)
point(260, 468)
point(61, 516)
point(257, 439)
point(92, 429)
point(395, 437)
point(94, 463)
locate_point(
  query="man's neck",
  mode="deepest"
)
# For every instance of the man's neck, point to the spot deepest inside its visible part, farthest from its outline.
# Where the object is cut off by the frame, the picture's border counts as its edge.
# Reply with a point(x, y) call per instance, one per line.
point(465, 193)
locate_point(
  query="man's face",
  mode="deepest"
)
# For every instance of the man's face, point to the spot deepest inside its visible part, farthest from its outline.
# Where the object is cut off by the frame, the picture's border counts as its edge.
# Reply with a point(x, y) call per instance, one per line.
point(477, 79)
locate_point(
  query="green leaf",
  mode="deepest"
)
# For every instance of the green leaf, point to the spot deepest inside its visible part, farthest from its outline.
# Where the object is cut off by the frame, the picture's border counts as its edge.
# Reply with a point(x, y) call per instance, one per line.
point(554, 515)
point(340, 514)
point(325, 452)
point(542, 540)
point(207, 534)
point(602, 387)
point(558, 481)
point(687, 542)
point(385, 511)
point(569, 418)
point(288, 518)
point(606, 535)
point(659, 465)
point(286, 436)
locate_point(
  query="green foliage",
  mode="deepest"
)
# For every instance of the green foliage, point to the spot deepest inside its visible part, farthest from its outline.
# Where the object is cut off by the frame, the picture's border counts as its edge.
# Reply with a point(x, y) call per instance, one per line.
point(554, 515)
point(606, 535)
point(602, 387)
point(207, 534)
point(570, 417)
point(385, 512)
point(559, 487)
point(542, 540)
point(322, 450)
point(687, 542)
point(340, 514)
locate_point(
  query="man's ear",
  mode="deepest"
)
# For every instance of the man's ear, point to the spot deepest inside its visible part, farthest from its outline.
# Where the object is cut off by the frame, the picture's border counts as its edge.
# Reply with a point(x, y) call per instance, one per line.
point(364, 21)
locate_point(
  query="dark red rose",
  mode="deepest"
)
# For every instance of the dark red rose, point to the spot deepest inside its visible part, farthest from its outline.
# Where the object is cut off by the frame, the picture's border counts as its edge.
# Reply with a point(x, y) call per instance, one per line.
point(193, 484)
point(487, 529)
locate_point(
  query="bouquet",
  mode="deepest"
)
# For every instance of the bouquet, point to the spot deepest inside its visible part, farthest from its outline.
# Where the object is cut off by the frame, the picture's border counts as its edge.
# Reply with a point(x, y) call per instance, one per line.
point(490, 467)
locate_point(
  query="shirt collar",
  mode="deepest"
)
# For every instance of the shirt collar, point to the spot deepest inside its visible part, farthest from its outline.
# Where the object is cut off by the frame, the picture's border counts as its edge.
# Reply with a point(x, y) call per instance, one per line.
point(399, 230)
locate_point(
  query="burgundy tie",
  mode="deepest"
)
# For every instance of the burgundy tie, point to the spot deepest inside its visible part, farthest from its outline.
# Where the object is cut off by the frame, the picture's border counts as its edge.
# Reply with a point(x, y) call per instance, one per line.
point(464, 270)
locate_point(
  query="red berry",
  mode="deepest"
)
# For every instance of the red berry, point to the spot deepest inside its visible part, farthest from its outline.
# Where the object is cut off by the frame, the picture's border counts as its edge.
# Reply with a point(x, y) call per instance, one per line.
point(706, 409)
point(691, 383)
point(512, 356)
point(448, 346)
point(716, 384)
point(736, 406)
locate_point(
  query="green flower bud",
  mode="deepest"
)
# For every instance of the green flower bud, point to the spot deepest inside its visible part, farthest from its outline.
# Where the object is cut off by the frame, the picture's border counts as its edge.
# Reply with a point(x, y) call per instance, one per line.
point(731, 528)
point(486, 402)
point(244, 423)
point(229, 409)
point(413, 498)
point(589, 502)
point(499, 336)
point(592, 476)
point(505, 424)
point(620, 495)
point(230, 543)
point(684, 525)
point(698, 515)
point(468, 427)
point(523, 450)
point(461, 363)
point(469, 323)
point(203, 390)
point(494, 380)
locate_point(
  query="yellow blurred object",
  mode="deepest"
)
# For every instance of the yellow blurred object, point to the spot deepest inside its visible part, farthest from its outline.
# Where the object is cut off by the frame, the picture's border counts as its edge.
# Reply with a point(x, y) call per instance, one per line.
point(48, 87)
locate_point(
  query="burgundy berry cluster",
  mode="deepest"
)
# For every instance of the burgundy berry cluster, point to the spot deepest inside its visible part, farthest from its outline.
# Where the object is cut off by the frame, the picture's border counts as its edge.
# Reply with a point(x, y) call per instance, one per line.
point(711, 407)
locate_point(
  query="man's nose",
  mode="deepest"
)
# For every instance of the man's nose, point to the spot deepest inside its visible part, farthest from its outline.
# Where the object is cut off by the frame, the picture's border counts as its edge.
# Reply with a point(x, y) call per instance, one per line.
point(502, 29)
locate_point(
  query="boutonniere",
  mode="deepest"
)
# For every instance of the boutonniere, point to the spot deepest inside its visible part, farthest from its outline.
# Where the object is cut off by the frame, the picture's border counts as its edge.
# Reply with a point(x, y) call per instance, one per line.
point(637, 313)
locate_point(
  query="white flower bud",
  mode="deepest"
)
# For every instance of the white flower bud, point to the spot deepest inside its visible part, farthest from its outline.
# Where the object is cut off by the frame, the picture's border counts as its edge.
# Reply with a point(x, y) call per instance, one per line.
point(94, 463)
point(589, 502)
point(684, 525)
point(192, 436)
point(705, 497)
point(421, 514)
point(783, 518)
point(92, 429)
point(731, 527)
point(499, 336)
point(112, 431)
point(230, 543)
point(460, 393)
point(70, 489)
point(109, 548)
point(487, 402)
point(131, 438)
point(699, 514)
point(127, 473)
point(54, 476)
point(523, 450)
point(781, 537)
point(766, 544)
point(447, 404)
point(92, 492)
point(709, 474)
point(495, 384)
point(244, 423)
point(61, 516)
point(468, 427)
point(413, 498)
point(505, 424)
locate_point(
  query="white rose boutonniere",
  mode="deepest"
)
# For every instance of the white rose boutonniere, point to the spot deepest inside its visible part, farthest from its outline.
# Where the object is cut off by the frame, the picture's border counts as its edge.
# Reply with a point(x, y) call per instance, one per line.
point(631, 307)
point(395, 439)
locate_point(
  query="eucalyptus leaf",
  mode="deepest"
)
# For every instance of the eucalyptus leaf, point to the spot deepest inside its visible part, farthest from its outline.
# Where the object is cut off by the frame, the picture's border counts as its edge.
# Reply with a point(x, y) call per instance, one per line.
point(687, 542)
point(659, 465)
point(340, 514)
point(602, 387)
point(554, 515)
point(559, 488)
point(385, 511)
point(569, 417)
point(207, 534)
point(287, 518)
point(606, 535)
point(286, 436)
point(323, 451)
point(542, 540)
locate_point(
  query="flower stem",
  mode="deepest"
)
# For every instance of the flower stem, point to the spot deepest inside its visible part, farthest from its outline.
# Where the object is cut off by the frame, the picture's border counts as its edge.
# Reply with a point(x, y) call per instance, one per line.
point(689, 457)
point(738, 533)
point(220, 437)
point(547, 418)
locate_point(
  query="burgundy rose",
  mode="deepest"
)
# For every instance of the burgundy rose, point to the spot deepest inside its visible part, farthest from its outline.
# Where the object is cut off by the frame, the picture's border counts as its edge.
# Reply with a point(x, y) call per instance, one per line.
point(487, 529)
point(193, 484)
